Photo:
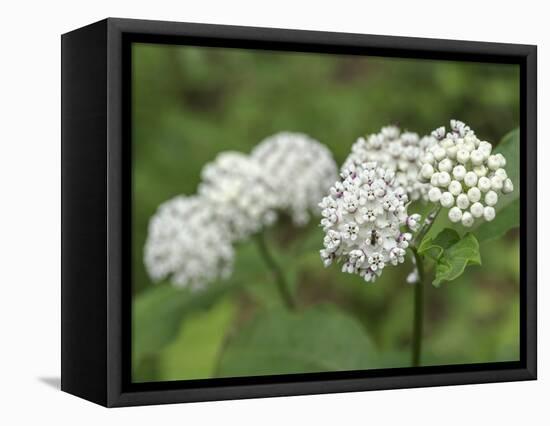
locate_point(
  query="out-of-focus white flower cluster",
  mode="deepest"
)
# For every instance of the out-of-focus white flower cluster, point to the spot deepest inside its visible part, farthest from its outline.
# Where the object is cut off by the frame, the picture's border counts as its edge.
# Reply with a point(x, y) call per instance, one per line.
point(242, 196)
point(300, 169)
point(190, 239)
point(187, 244)
point(363, 217)
point(463, 175)
point(397, 151)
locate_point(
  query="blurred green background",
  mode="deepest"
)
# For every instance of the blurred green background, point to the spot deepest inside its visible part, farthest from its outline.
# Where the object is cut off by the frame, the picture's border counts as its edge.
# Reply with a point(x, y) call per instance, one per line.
point(189, 103)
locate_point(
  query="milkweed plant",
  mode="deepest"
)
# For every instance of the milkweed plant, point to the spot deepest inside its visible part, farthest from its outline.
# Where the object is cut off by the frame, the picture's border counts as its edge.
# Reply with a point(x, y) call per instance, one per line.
point(376, 210)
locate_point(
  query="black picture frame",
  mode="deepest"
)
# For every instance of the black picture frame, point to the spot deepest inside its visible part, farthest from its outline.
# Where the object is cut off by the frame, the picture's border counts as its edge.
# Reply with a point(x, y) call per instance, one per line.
point(96, 212)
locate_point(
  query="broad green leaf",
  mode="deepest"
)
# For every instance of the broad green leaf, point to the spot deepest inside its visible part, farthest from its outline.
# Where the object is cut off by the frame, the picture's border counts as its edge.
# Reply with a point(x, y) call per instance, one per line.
point(451, 253)
point(506, 219)
point(158, 313)
point(161, 305)
point(454, 259)
point(194, 352)
point(281, 342)
point(434, 247)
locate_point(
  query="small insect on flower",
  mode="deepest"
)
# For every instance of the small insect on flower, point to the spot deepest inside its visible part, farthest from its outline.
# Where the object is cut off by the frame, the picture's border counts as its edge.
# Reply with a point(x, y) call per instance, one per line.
point(300, 169)
point(186, 244)
point(240, 193)
point(463, 175)
point(397, 151)
point(367, 238)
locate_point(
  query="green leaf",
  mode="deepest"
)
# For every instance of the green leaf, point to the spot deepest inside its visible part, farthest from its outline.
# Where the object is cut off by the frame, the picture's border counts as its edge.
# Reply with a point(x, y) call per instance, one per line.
point(281, 342)
point(506, 219)
point(194, 352)
point(158, 313)
point(451, 253)
point(454, 259)
point(434, 247)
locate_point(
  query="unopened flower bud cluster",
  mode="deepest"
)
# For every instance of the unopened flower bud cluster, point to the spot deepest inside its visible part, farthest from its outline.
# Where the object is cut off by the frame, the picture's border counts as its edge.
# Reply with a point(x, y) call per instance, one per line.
point(363, 217)
point(300, 169)
point(464, 175)
point(397, 151)
point(187, 244)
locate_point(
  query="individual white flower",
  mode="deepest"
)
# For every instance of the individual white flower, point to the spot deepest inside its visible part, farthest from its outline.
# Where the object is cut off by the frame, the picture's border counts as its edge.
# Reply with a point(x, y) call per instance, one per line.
point(467, 219)
point(463, 176)
point(364, 218)
point(240, 192)
point(474, 194)
point(455, 214)
point(300, 169)
point(489, 213)
point(447, 199)
point(186, 244)
point(477, 209)
point(399, 152)
point(434, 194)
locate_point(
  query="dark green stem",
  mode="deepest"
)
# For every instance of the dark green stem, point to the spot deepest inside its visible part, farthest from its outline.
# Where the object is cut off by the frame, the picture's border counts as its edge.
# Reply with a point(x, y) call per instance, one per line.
point(278, 274)
point(418, 322)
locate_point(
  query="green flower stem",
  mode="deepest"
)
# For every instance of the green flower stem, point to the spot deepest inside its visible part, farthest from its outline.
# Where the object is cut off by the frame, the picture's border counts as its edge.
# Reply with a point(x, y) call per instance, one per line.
point(278, 275)
point(426, 226)
point(418, 319)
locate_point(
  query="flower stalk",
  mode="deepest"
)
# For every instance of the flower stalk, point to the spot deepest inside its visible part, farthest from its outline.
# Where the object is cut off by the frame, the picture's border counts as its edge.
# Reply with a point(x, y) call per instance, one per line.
point(426, 226)
point(278, 275)
point(418, 315)
point(418, 319)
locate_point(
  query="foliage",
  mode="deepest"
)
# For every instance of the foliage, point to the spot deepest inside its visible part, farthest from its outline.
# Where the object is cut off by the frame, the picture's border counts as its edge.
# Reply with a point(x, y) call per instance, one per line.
point(451, 254)
point(159, 311)
point(282, 342)
point(194, 352)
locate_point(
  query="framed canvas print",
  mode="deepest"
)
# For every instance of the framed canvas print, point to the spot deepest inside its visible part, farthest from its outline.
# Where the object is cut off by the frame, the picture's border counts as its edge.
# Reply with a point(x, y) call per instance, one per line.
point(252, 212)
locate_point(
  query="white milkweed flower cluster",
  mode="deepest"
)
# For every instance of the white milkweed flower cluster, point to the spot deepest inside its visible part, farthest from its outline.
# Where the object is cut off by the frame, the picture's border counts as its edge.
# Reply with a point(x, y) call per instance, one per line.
point(397, 151)
point(190, 238)
point(363, 217)
point(242, 196)
point(187, 244)
point(300, 169)
point(463, 175)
